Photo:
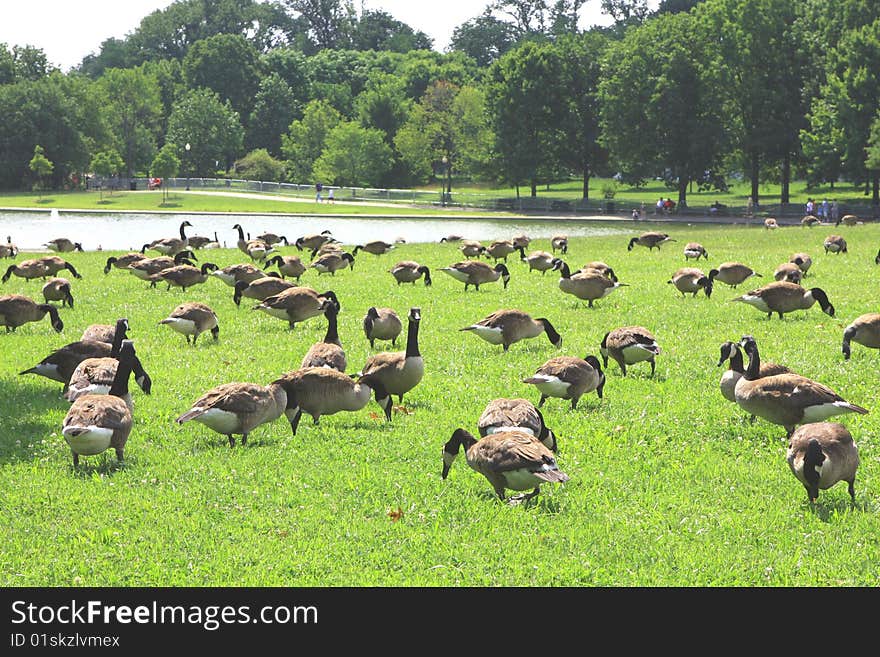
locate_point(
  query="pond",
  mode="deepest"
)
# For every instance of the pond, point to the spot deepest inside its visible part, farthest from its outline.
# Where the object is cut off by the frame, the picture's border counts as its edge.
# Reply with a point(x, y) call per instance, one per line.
point(130, 231)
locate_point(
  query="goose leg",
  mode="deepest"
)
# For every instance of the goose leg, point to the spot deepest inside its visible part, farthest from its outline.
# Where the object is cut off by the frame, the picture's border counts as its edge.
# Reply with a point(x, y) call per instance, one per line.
point(231, 439)
point(244, 439)
point(120, 456)
point(852, 490)
point(75, 459)
point(543, 399)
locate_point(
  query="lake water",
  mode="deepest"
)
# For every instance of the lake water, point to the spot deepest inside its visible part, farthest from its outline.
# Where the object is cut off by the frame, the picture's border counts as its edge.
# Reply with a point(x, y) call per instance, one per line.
point(130, 231)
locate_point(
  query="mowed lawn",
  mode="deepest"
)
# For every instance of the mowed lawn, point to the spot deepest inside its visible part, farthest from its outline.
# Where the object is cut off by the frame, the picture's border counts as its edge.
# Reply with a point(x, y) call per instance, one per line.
point(670, 485)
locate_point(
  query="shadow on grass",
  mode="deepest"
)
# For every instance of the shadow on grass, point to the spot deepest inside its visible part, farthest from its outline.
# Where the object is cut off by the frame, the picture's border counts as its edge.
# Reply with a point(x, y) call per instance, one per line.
point(44, 201)
point(169, 205)
point(24, 407)
point(104, 464)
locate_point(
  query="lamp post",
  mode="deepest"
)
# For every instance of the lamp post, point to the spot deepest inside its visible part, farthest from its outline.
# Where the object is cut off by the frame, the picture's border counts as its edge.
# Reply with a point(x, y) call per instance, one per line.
point(445, 191)
point(187, 147)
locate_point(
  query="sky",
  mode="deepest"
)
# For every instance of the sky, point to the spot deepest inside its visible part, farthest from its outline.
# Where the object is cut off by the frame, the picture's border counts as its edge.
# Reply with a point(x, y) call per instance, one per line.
point(68, 31)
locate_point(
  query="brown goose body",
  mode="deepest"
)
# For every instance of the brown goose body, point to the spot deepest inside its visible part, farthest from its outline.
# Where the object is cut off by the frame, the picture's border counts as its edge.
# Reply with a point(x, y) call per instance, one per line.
point(232, 274)
point(689, 280)
point(332, 262)
point(288, 265)
point(106, 332)
point(695, 250)
point(8, 250)
point(599, 266)
point(514, 460)
point(399, 371)
point(781, 297)
point(521, 241)
point(382, 324)
point(202, 242)
point(261, 288)
point(477, 273)
point(788, 272)
point(770, 223)
point(820, 455)
point(170, 246)
point(144, 269)
point(587, 285)
point(538, 260)
point(329, 352)
point(272, 239)
point(628, 345)
point(61, 363)
point(191, 319)
point(296, 304)
point(559, 243)
point(650, 239)
point(184, 276)
point(124, 261)
point(58, 289)
point(848, 220)
point(810, 220)
point(568, 377)
point(471, 248)
point(835, 244)
point(864, 330)
point(409, 271)
point(95, 376)
point(377, 247)
point(17, 309)
point(507, 414)
point(730, 351)
point(313, 241)
point(802, 260)
point(499, 250)
point(63, 245)
point(732, 273)
point(55, 264)
point(508, 326)
point(27, 269)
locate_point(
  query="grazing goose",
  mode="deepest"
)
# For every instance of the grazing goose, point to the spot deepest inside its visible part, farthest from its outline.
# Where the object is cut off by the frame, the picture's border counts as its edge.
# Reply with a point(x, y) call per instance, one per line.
point(318, 391)
point(409, 271)
point(731, 351)
point(451, 238)
point(508, 459)
point(599, 266)
point(27, 269)
point(810, 220)
point(471, 248)
point(106, 332)
point(732, 273)
point(170, 246)
point(62, 362)
point(95, 422)
point(333, 262)
point(55, 264)
point(232, 274)
point(695, 250)
point(865, 330)
point(690, 280)
point(288, 265)
point(585, 285)
point(537, 260)
point(297, 304)
point(786, 399)
point(499, 249)
point(377, 247)
point(650, 240)
point(781, 297)
point(802, 260)
point(821, 454)
point(560, 243)
point(329, 247)
point(123, 261)
point(192, 319)
point(201, 242)
point(382, 324)
point(505, 327)
point(144, 269)
point(568, 377)
point(848, 220)
point(95, 376)
point(8, 250)
point(770, 223)
point(58, 289)
point(314, 241)
point(476, 273)
point(272, 239)
point(519, 414)
point(835, 244)
point(256, 250)
point(521, 240)
point(238, 408)
point(399, 371)
point(183, 276)
point(628, 345)
point(261, 288)
point(63, 245)
point(329, 352)
point(16, 309)
point(789, 272)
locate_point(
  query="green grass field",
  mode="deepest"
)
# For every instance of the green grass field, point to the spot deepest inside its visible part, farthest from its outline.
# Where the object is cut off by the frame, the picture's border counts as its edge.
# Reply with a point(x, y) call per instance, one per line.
point(670, 485)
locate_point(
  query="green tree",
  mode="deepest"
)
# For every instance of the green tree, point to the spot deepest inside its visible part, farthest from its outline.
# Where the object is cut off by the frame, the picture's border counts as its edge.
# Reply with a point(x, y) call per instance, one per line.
point(305, 139)
point(259, 165)
point(353, 156)
point(379, 30)
point(211, 128)
point(41, 167)
point(484, 38)
point(275, 107)
point(626, 12)
point(166, 165)
point(107, 164)
point(822, 143)
point(872, 161)
point(331, 22)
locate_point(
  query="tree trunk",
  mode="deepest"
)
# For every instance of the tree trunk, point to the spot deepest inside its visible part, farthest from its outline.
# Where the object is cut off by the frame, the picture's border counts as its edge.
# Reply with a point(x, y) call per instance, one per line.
point(754, 172)
point(682, 192)
point(586, 189)
point(785, 197)
point(534, 188)
point(875, 200)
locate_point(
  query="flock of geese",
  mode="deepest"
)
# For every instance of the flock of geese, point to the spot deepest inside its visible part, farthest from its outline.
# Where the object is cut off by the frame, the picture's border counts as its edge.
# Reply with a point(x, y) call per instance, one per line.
point(515, 449)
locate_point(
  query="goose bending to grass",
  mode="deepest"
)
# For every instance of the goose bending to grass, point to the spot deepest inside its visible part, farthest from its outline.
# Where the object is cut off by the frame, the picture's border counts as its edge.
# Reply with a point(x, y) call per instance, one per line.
point(568, 377)
point(191, 319)
point(144, 269)
point(288, 265)
point(835, 244)
point(55, 264)
point(650, 240)
point(507, 414)
point(329, 352)
point(788, 272)
point(695, 250)
point(537, 260)
point(732, 273)
point(297, 304)
point(170, 246)
point(781, 297)
point(820, 455)
point(691, 280)
point(124, 261)
point(382, 324)
point(17, 310)
point(27, 269)
point(232, 274)
point(58, 289)
point(628, 345)
point(409, 271)
point(313, 241)
point(183, 276)
point(476, 273)
point(585, 285)
point(63, 245)
point(864, 330)
point(506, 327)
point(261, 288)
point(377, 247)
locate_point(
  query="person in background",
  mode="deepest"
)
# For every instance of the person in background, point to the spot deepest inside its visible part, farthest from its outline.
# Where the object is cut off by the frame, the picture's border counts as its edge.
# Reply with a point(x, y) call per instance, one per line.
point(659, 207)
point(635, 215)
point(318, 188)
point(835, 211)
point(330, 196)
point(825, 210)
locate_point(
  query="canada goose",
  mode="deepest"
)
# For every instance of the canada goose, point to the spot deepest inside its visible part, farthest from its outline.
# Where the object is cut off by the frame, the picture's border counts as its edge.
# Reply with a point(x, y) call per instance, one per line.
point(451, 238)
point(848, 220)
point(731, 351)
point(288, 265)
point(256, 250)
point(382, 324)
point(272, 239)
point(521, 240)
point(505, 327)
point(690, 280)
point(237, 408)
point(8, 250)
point(144, 269)
point(732, 273)
point(58, 289)
point(865, 330)
point(810, 220)
point(183, 276)
point(781, 297)
point(476, 273)
point(471, 248)
point(232, 274)
point(508, 459)
point(537, 260)
point(788, 271)
point(55, 264)
point(297, 304)
point(786, 399)
point(628, 345)
point(409, 271)
point(520, 414)
point(170, 246)
point(63, 245)
point(821, 454)
point(192, 319)
point(328, 352)
point(16, 310)
point(318, 391)
point(261, 288)
point(835, 244)
point(802, 260)
point(601, 267)
point(377, 247)
point(201, 242)
point(500, 249)
point(313, 241)
point(96, 423)
point(94, 376)
point(650, 239)
point(27, 269)
point(770, 223)
point(587, 285)
point(695, 250)
point(123, 261)
point(559, 242)
point(329, 247)
point(568, 377)
point(399, 371)
point(333, 262)
point(106, 332)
